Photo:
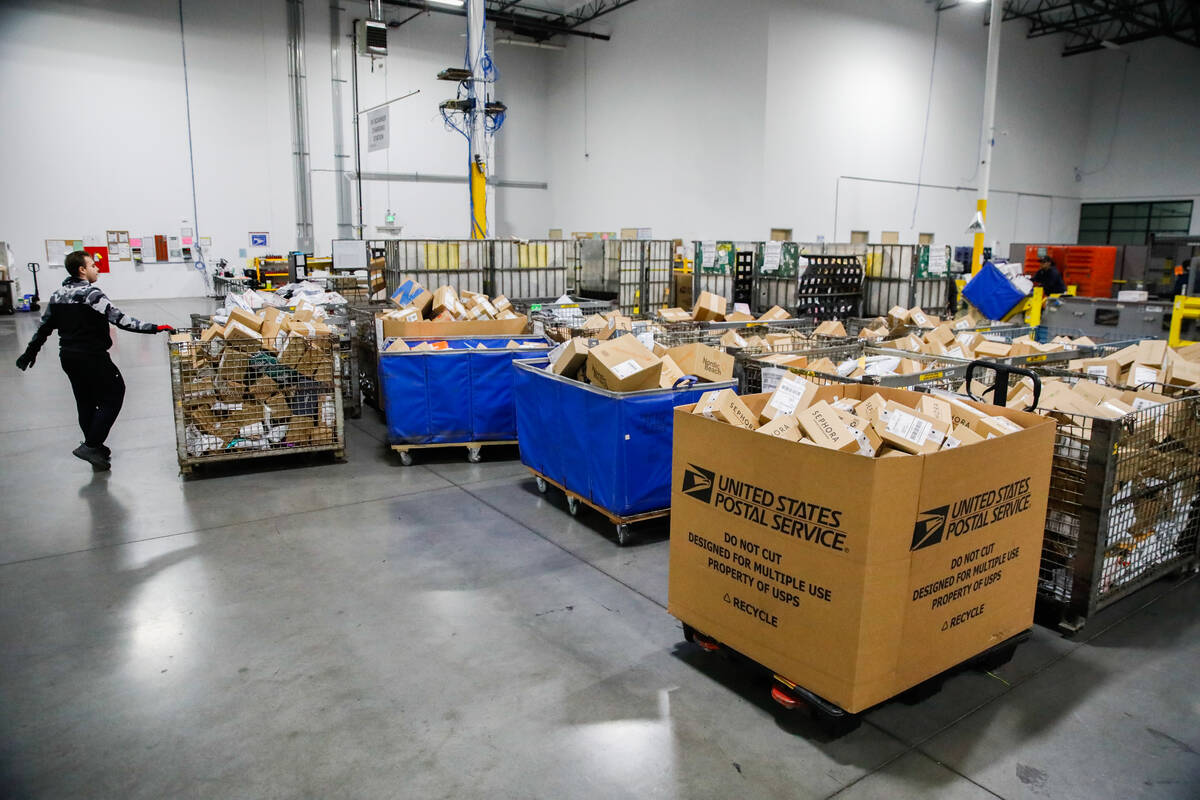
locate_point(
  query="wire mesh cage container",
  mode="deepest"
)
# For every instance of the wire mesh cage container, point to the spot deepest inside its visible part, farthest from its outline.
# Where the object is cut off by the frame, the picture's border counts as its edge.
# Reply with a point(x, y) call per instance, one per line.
point(858, 362)
point(1124, 508)
point(237, 399)
point(464, 264)
point(362, 338)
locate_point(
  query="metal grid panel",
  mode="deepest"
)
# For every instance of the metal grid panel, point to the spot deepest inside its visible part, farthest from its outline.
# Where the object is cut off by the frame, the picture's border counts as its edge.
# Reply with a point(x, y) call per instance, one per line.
point(1124, 507)
point(534, 269)
point(461, 263)
point(937, 372)
point(235, 399)
point(660, 260)
point(893, 280)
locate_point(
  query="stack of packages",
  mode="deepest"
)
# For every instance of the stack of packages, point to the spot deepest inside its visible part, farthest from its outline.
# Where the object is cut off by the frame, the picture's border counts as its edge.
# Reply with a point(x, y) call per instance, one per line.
point(626, 364)
point(415, 304)
point(714, 308)
point(876, 366)
point(944, 341)
point(1148, 361)
point(304, 294)
point(258, 382)
point(768, 340)
point(900, 320)
point(856, 419)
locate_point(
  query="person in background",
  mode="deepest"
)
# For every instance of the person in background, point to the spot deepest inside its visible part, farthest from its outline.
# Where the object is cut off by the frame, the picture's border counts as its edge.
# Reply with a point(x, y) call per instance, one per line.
point(1049, 278)
point(81, 313)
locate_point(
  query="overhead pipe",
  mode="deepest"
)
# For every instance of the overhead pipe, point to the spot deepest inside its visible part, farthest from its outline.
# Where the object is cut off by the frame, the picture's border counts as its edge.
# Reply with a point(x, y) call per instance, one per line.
point(991, 76)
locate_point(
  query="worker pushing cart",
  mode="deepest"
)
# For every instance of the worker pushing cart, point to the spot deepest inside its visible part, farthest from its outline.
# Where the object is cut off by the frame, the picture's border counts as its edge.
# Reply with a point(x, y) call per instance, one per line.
point(81, 313)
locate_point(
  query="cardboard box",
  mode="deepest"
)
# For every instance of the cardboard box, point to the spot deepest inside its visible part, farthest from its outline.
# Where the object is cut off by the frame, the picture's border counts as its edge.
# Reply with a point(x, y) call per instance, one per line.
point(416, 330)
point(823, 424)
point(502, 304)
point(569, 357)
point(739, 316)
point(905, 428)
point(1151, 352)
point(725, 406)
point(773, 314)
point(674, 315)
point(1107, 368)
point(792, 395)
point(706, 363)
point(830, 328)
point(709, 307)
point(445, 301)
point(994, 425)
point(623, 365)
point(860, 585)
point(942, 334)
point(959, 436)
point(670, 373)
point(246, 318)
point(213, 331)
point(783, 427)
point(990, 349)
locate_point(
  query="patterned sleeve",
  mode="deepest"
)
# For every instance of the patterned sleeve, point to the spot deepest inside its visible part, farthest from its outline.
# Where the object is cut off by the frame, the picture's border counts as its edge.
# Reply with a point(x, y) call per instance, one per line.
point(99, 301)
point(43, 332)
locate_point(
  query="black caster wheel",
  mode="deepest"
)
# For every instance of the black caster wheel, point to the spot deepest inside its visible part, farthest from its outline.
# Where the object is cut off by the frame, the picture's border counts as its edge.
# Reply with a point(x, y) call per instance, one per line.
point(473, 455)
point(406, 458)
point(624, 536)
point(541, 484)
point(573, 506)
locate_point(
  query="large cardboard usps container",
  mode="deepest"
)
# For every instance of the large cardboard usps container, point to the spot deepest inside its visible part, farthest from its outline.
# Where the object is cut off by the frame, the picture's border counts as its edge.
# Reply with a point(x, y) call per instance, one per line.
point(854, 577)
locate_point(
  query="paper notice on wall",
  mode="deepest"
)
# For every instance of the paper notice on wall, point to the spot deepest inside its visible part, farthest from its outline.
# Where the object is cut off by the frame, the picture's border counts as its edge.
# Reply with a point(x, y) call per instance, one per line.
point(118, 246)
point(708, 254)
point(937, 259)
point(772, 251)
point(56, 251)
point(377, 130)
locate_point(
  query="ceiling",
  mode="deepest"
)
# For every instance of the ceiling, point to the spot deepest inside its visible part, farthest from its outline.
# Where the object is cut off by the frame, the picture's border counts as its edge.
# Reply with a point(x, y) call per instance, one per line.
point(536, 20)
point(1092, 24)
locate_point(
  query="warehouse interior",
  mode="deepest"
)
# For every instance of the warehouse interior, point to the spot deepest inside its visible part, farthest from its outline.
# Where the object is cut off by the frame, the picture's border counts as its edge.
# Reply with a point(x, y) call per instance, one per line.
point(609, 585)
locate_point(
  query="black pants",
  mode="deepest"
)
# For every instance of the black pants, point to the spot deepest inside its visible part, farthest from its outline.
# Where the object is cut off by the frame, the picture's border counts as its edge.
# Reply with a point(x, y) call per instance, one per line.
point(99, 393)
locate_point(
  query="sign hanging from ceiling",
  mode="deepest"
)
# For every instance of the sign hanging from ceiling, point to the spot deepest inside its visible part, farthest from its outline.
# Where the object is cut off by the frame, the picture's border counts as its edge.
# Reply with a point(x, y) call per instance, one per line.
point(377, 130)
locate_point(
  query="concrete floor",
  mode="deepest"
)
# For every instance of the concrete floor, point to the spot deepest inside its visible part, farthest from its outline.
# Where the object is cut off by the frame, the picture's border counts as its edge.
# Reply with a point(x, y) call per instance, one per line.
point(442, 630)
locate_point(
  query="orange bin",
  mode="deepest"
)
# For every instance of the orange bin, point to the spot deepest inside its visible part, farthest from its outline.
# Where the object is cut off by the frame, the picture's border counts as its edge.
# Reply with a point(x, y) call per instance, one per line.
point(1090, 269)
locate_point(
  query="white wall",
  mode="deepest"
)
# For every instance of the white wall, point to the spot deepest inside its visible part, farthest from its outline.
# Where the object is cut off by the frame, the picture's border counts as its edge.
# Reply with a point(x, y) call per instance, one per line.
point(98, 140)
point(709, 118)
point(96, 135)
point(1151, 149)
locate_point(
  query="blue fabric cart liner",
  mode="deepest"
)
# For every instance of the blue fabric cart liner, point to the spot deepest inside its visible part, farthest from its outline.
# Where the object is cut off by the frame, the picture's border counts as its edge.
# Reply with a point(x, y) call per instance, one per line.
point(453, 396)
point(991, 292)
point(612, 449)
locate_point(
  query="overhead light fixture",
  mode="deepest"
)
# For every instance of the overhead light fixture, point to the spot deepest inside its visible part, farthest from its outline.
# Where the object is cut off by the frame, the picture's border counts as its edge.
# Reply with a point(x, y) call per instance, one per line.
point(977, 2)
point(449, 3)
point(1110, 45)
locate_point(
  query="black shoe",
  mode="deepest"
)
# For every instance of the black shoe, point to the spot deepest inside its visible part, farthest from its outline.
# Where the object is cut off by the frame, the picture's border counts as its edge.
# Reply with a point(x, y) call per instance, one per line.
point(94, 456)
point(104, 449)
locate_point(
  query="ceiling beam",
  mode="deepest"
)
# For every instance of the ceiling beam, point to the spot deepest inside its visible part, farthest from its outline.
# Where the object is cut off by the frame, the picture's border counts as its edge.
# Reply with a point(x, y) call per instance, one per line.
point(508, 19)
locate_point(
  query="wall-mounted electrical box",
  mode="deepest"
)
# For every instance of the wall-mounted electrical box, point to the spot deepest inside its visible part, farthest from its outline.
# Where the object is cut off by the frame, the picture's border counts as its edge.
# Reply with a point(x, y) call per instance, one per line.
point(372, 37)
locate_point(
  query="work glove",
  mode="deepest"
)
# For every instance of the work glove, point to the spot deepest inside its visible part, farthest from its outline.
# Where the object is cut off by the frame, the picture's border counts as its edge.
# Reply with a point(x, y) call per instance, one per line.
point(26, 360)
point(166, 328)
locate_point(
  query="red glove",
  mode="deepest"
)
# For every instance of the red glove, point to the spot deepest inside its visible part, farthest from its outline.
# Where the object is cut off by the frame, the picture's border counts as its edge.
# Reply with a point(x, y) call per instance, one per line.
point(167, 328)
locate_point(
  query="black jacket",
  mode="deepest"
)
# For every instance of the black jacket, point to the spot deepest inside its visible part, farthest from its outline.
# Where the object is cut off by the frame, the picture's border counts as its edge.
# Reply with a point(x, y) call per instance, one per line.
point(81, 314)
point(1050, 279)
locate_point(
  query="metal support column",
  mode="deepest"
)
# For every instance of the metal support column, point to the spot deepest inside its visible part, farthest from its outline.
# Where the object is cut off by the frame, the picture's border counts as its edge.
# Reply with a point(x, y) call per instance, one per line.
point(477, 155)
point(300, 155)
point(989, 131)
